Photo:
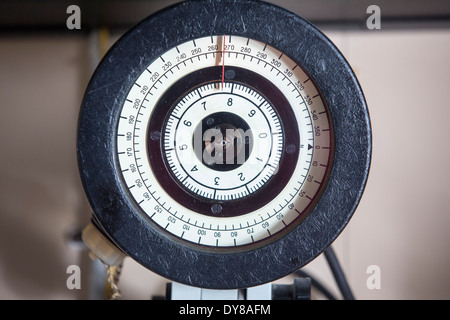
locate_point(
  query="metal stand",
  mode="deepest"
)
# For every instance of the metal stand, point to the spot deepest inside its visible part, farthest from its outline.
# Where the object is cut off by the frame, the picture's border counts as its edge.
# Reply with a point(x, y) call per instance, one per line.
point(300, 289)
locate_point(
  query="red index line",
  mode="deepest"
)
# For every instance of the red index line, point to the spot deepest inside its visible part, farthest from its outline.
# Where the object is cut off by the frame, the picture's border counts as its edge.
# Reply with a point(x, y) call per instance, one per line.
point(223, 60)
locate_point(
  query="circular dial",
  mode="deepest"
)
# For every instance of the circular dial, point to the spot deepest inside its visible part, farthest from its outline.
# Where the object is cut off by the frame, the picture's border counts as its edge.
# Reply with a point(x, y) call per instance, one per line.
point(243, 117)
point(213, 151)
point(223, 144)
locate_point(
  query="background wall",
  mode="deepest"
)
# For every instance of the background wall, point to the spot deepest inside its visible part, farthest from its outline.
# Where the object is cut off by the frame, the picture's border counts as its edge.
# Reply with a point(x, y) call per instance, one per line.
point(401, 224)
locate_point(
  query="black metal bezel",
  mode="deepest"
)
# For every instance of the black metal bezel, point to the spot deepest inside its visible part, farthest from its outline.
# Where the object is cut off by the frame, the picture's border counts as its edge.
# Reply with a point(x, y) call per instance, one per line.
point(121, 219)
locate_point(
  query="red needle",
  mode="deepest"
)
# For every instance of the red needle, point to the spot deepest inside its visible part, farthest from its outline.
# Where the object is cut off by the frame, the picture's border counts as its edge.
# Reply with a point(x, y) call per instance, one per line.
point(223, 60)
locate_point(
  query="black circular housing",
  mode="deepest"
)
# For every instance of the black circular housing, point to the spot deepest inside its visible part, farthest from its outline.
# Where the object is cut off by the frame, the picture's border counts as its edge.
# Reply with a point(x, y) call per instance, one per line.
point(120, 218)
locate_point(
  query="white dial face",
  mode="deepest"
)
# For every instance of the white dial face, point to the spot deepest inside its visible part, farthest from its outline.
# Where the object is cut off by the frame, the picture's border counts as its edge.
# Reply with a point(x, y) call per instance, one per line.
point(198, 166)
point(253, 146)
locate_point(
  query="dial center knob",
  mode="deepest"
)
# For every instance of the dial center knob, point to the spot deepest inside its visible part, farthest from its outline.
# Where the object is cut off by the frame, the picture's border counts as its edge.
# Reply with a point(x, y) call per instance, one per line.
point(226, 141)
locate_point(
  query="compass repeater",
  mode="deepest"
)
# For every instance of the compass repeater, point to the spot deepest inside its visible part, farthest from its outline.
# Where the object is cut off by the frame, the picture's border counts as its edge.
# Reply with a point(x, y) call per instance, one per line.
point(223, 144)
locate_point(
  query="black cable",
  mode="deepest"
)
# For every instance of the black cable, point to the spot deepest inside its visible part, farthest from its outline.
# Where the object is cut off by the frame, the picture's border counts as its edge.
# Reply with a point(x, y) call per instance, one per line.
point(317, 284)
point(338, 274)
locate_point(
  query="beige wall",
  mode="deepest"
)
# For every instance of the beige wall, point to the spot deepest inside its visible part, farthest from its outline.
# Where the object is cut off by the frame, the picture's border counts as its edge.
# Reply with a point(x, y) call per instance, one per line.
point(401, 224)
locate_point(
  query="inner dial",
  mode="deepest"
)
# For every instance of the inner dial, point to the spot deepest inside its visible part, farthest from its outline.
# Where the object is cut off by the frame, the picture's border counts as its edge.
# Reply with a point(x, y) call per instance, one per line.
point(225, 142)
